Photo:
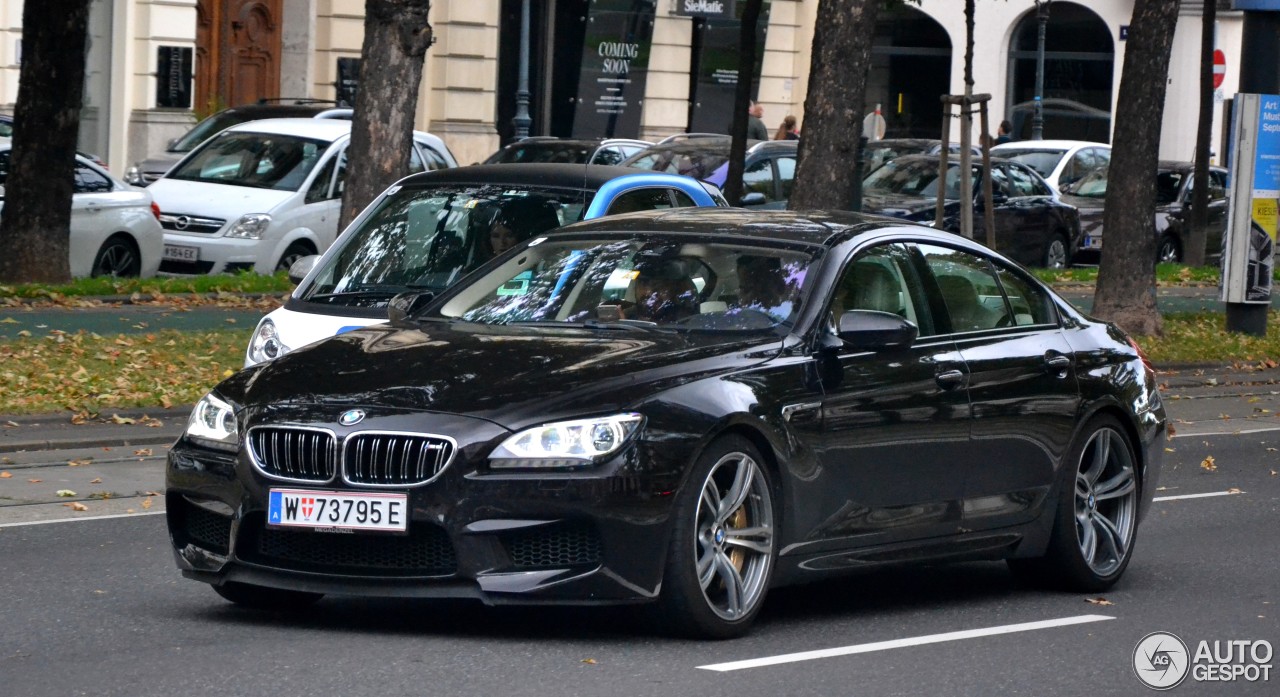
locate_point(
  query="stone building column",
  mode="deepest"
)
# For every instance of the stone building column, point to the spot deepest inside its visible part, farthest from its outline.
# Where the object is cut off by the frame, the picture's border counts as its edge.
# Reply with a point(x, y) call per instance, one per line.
point(459, 97)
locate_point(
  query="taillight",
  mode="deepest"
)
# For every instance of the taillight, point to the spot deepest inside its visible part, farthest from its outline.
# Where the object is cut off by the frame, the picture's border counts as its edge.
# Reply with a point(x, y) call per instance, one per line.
point(1141, 354)
point(155, 210)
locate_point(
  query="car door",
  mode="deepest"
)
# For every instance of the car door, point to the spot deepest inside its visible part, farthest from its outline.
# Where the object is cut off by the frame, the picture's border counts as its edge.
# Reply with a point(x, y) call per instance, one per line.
point(1217, 212)
point(1032, 201)
point(93, 212)
point(1021, 382)
point(895, 423)
point(759, 178)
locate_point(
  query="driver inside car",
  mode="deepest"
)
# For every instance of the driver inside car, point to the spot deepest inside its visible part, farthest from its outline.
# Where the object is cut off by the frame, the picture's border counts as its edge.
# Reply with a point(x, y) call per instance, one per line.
point(664, 292)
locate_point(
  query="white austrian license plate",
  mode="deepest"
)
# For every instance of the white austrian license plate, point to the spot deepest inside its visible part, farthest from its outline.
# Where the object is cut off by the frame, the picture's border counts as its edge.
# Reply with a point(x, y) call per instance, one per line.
point(181, 253)
point(308, 508)
point(1092, 242)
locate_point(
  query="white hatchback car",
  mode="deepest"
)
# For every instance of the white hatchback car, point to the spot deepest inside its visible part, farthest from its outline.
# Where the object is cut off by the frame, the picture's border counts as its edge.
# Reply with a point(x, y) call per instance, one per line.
point(1060, 162)
point(263, 194)
point(113, 225)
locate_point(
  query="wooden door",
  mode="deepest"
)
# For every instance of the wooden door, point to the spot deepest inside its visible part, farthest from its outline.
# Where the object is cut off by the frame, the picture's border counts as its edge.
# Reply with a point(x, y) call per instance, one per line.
point(237, 52)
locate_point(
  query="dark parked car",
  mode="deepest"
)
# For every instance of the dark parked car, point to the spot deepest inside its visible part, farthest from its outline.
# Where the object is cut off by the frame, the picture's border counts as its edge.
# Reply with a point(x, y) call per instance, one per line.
point(769, 171)
point(595, 151)
point(148, 170)
point(684, 407)
point(879, 152)
point(1174, 190)
point(1032, 225)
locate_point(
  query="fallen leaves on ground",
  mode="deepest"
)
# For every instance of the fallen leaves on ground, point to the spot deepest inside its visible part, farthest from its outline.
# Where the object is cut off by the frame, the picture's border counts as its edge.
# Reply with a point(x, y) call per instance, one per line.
point(96, 480)
point(5, 475)
point(65, 493)
point(146, 503)
point(76, 506)
point(1235, 490)
point(34, 481)
point(123, 420)
point(142, 452)
point(1098, 601)
point(1208, 464)
point(589, 661)
point(80, 461)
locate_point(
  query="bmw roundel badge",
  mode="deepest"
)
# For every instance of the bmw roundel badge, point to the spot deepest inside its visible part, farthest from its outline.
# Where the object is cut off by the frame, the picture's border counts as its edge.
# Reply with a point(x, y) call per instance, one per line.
point(351, 417)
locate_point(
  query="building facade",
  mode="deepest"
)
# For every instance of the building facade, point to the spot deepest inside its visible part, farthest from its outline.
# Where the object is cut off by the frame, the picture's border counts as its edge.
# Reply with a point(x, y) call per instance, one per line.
point(646, 68)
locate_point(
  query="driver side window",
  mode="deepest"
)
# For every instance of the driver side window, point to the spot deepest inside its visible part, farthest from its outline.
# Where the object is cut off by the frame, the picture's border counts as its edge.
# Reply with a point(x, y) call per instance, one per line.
point(882, 279)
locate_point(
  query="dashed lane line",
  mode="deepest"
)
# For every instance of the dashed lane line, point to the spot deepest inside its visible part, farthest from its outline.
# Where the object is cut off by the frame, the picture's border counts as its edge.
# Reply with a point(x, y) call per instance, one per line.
point(1196, 496)
point(903, 643)
point(77, 520)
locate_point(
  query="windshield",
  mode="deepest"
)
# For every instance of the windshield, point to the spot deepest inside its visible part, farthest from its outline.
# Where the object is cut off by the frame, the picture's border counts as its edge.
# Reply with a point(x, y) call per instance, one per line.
point(698, 163)
point(214, 124)
point(258, 160)
point(1091, 185)
point(428, 238)
point(1043, 161)
point(543, 151)
point(648, 282)
point(914, 177)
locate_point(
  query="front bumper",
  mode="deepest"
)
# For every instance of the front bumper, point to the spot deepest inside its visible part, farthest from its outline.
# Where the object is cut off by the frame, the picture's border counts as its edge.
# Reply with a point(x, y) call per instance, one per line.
point(585, 537)
point(221, 254)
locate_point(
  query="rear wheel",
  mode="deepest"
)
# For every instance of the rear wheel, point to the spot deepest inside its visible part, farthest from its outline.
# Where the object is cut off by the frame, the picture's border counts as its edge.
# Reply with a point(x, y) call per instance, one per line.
point(1168, 250)
point(1097, 514)
point(294, 252)
point(721, 554)
point(117, 257)
point(1056, 255)
point(263, 598)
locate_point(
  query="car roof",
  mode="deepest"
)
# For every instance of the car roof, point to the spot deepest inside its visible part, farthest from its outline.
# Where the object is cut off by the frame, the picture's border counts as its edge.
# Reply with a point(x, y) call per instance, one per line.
point(556, 174)
point(816, 228)
point(284, 109)
point(1047, 145)
point(323, 129)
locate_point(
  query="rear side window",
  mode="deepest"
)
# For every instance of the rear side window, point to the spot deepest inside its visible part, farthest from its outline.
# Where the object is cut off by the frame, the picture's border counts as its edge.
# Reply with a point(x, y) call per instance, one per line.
point(89, 181)
point(1028, 303)
point(758, 178)
point(969, 289)
point(645, 200)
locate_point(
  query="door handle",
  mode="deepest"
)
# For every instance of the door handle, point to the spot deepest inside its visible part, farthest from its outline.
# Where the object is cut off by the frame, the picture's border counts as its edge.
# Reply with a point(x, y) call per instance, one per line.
point(1057, 363)
point(949, 379)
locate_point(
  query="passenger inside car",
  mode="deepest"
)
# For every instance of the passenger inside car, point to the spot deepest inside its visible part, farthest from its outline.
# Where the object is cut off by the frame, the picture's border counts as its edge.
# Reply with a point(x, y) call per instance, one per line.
point(963, 305)
point(664, 291)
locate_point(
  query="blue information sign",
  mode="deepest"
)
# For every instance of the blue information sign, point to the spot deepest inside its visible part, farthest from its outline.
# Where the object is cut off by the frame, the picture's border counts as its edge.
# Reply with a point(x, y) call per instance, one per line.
point(1257, 5)
point(1266, 164)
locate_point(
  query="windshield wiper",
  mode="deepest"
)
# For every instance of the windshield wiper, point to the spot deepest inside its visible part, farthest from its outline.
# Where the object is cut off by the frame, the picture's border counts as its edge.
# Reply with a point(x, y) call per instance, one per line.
point(366, 293)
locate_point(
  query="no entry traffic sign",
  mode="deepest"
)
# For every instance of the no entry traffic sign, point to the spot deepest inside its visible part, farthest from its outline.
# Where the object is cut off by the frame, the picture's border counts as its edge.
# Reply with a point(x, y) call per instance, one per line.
point(1219, 68)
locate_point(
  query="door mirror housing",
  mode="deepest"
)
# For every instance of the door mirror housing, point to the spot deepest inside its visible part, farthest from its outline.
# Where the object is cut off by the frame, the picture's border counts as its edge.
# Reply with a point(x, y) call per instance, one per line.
point(404, 305)
point(871, 330)
point(299, 269)
point(755, 198)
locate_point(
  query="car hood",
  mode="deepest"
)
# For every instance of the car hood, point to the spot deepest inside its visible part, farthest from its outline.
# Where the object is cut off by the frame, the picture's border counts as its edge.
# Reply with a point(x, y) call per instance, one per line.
point(159, 164)
point(1083, 203)
point(214, 200)
point(510, 375)
point(899, 205)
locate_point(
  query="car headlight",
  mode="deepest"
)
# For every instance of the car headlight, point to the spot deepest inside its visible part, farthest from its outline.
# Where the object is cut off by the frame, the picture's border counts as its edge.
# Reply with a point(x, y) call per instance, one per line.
point(266, 344)
point(566, 443)
point(213, 423)
point(133, 175)
point(250, 227)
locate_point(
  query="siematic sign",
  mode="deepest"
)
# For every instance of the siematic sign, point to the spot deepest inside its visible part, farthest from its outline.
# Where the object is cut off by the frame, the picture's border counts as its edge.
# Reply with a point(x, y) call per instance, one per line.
point(723, 9)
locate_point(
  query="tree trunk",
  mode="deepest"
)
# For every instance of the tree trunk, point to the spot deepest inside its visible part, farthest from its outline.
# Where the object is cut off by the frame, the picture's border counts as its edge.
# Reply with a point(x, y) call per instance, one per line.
point(35, 229)
point(396, 38)
point(741, 99)
point(1126, 292)
point(833, 107)
point(1193, 255)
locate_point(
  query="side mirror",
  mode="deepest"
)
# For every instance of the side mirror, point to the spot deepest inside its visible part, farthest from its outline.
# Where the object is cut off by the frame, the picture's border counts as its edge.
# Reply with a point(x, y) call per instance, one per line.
point(299, 269)
point(404, 305)
point(755, 198)
point(870, 330)
point(172, 142)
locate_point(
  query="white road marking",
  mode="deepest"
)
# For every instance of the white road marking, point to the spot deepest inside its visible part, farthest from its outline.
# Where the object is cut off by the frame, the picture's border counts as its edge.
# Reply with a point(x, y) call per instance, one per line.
point(1197, 496)
point(1224, 428)
point(902, 643)
point(76, 520)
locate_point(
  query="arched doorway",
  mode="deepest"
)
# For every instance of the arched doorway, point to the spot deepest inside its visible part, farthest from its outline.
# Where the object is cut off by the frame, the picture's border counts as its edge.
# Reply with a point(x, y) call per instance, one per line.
point(910, 70)
point(237, 52)
point(1079, 58)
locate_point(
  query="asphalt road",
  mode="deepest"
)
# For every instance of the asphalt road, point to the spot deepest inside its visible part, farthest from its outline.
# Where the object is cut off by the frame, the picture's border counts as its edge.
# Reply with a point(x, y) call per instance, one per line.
point(96, 607)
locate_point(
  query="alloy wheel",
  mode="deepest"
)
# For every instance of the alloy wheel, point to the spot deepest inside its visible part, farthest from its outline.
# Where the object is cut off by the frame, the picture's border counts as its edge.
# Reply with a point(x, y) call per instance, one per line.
point(734, 526)
point(1168, 251)
point(1106, 496)
point(1055, 257)
point(116, 259)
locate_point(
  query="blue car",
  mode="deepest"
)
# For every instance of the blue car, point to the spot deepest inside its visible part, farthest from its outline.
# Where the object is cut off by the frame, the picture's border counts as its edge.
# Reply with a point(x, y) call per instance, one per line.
point(429, 230)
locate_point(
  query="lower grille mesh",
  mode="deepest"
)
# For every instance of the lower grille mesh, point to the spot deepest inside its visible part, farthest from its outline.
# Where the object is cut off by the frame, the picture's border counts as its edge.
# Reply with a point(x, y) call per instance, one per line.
point(568, 544)
point(206, 529)
point(425, 551)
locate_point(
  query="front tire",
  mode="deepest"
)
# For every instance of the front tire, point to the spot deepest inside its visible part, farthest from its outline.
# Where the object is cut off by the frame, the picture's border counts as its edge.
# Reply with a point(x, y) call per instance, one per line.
point(263, 598)
point(292, 253)
point(1056, 254)
point(1168, 250)
point(1096, 518)
point(723, 543)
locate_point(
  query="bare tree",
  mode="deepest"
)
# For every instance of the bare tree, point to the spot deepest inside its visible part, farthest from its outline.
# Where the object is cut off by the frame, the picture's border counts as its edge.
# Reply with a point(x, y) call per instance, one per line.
point(1126, 292)
point(741, 99)
point(396, 38)
point(35, 230)
point(1193, 255)
point(833, 107)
